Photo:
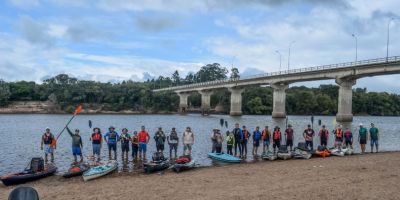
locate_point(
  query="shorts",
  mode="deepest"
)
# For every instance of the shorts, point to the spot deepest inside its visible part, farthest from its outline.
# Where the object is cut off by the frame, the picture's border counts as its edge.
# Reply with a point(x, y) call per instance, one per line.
point(48, 149)
point(289, 143)
point(125, 147)
point(76, 151)
point(142, 147)
point(324, 143)
point(112, 147)
point(256, 143)
point(374, 142)
point(363, 141)
point(187, 147)
point(348, 142)
point(96, 149)
point(266, 142)
point(277, 143)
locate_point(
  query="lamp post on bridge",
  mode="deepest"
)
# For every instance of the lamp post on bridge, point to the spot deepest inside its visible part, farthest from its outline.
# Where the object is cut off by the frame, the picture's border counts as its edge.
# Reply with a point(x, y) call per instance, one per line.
point(355, 37)
point(280, 59)
point(288, 60)
point(387, 41)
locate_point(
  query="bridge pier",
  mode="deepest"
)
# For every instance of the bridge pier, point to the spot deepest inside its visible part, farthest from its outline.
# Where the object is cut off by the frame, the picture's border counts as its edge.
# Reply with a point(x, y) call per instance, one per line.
point(236, 101)
point(183, 101)
point(279, 100)
point(345, 113)
point(205, 101)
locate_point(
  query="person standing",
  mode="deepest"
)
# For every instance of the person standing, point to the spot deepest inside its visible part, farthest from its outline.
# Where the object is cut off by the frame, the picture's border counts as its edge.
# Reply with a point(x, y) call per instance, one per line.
point(188, 141)
point(266, 136)
point(214, 141)
point(289, 133)
point(276, 137)
point(47, 139)
point(374, 137)
point(77, 144)
point(218, 138)
point(125, 139)
point(143, 138)
point(256, 140)
point(135, 145)
point(308, 135)
point(97, 140)
point(237, 133)
point(230, 141)
point(173, 141)
point(323, 135)
point(338, 132)
point(159, 137)
point(245, 135)
point(362, 137)
point(348, 138)
point(111, 137)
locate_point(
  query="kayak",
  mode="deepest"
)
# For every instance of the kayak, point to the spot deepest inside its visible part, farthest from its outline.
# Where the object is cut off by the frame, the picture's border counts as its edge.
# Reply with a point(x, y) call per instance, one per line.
point(185, 165)
point(154, 166)
point(284, 155)
point(28, 175)
point(223, 157)
point(76, 170)
point(100, 170)
point(269, 155)
point(24, 193)
point(348, 151)
point(301, 154)
point(337, 152)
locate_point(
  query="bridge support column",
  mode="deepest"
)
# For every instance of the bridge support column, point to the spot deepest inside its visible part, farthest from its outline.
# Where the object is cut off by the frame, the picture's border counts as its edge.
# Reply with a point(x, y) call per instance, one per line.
point(279, 100)
point(183, 102)
point(236, 101)
point(205, 101)
point(345, 113)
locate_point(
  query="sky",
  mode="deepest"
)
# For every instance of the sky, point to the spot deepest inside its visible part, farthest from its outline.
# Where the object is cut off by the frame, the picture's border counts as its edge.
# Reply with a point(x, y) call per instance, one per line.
point(115, 40)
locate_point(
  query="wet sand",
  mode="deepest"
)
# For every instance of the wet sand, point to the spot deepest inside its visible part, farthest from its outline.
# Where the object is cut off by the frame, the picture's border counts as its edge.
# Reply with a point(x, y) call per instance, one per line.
point(369, 176)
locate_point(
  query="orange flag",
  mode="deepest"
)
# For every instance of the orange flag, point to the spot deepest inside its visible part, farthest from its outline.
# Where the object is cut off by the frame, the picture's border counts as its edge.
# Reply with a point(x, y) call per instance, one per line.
point(78, 110)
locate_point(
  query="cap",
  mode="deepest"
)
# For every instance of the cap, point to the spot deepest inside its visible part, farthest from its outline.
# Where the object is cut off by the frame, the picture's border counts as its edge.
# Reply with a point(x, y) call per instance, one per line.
point(111, 127)
point(47, 128)
point(289, 125)
point(361, 124)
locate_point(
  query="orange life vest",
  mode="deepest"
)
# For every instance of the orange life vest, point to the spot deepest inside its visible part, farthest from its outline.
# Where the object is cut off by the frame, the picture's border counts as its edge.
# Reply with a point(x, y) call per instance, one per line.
point(277, 135)
point(339, 133)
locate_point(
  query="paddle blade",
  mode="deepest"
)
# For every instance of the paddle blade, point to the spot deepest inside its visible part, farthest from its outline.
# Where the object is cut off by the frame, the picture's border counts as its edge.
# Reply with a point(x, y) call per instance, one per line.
point(90, 123)
point(221, 122)
point(226, 124)
point(78, 110)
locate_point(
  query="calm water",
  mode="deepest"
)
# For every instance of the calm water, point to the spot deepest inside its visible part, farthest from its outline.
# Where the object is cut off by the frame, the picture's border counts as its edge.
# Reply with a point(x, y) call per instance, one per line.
point(21, 134)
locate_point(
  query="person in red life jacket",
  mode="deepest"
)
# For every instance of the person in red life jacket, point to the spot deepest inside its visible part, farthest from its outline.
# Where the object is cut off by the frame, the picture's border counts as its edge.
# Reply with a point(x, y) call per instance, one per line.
point(135, 145)
point(348, 138)
point(97, 140)
point(256, 140)
point(143, 138)
point(308, 135)
point(47, 139)
point(323, 135)
point(276, 137)
point(266, 136)
point(338, 132)
point(289, 137)
point(244, 137)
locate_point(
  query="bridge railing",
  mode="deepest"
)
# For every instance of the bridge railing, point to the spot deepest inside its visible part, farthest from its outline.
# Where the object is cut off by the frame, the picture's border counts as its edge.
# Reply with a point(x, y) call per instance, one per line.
point(291, 71)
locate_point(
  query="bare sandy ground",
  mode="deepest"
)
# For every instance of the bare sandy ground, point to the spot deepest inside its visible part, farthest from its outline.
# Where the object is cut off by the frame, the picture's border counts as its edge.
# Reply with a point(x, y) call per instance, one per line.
point(370, 176)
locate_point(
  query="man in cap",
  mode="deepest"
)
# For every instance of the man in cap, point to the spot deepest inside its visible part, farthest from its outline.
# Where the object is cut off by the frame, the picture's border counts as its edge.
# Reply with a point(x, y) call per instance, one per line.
point(111, 138)
point(173, 141)
point(289, 133)
point(362, 137)
point(308, 135)
point(47, 139)
point(159, 137)
point(374, 135)
point(77, 144)
point(324, 135)
point(188, 141)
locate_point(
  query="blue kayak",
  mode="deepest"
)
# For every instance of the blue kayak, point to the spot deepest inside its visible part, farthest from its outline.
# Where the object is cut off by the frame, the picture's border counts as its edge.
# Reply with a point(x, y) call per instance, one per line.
point(224, 157)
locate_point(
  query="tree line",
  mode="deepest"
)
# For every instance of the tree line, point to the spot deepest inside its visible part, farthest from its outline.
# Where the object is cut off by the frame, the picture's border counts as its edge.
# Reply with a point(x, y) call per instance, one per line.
point(67, 92)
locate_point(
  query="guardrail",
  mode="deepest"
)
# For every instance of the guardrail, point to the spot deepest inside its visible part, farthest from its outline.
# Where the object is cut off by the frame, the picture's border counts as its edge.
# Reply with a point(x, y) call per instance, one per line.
point(285, 72)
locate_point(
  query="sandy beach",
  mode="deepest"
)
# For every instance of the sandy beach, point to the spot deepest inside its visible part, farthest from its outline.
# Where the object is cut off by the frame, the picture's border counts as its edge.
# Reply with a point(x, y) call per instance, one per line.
point(369, 176)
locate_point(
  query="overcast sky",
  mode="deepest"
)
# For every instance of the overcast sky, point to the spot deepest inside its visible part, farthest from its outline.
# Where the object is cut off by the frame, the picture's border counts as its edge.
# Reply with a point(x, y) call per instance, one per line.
point(113, 40)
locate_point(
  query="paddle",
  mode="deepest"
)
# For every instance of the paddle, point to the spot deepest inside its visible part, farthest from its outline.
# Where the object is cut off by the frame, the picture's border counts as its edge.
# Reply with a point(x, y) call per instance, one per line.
point(312, 122)
point(77, 111)
point(221, 122)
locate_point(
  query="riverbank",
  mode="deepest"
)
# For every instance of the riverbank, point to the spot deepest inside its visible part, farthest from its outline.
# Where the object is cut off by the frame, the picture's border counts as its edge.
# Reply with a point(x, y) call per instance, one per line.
point(368, 176)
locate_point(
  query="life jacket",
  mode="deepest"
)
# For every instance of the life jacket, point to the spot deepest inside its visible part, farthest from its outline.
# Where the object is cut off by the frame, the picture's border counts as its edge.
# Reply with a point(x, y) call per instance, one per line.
point(47, 139)
point(159, 137)
point(289, 134)
point(230, 139)
point(142, 136)
point(265, 135)
point(173, 136)
point(125, 138)
point(96, 137)
point(277, 135)
point(182, 160)
point(339, 133)
point(347, 134)
point(324, 134)
point(257, 135)
point(245, 134)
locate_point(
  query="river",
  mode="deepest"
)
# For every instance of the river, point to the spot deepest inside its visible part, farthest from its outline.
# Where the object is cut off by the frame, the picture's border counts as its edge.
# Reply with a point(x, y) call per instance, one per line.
point(21, 134)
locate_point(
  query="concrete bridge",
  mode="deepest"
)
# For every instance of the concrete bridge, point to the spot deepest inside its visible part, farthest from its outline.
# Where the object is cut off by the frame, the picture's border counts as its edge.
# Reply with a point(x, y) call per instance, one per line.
point(344, 74)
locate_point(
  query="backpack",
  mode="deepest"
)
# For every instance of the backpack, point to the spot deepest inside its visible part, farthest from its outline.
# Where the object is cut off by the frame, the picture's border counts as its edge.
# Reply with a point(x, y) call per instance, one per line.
point(37, 164)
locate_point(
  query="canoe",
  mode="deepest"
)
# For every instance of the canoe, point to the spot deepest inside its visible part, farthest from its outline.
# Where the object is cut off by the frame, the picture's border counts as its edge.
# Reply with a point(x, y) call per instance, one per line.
point(76, 170)
point(301, 154)
point(269, 155)
point(155, 166)
point(223, 157)
point(27, 175)
point(24, 193)
point(100, 170)
point(178, 167)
